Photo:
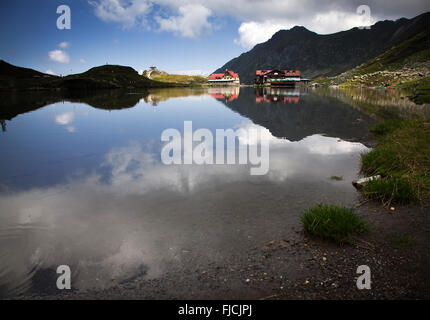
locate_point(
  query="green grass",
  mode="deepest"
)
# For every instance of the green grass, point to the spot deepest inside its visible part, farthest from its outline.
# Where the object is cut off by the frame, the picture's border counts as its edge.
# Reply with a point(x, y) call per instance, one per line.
point(181, 79)
point(391, 190)
point(337, 178)
point(402, 158)
point(386, 127)
point(332, 222)
point(418, 90)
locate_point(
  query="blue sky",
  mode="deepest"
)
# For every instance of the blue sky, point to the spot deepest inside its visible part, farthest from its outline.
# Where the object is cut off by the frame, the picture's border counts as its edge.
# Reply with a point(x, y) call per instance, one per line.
point(179, 36)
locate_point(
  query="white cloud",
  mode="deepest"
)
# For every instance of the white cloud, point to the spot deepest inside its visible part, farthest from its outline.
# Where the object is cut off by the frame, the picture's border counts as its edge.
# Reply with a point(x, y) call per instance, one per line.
point(127, 13)
point(82, 61)
point(59, 56)
point(251, 33)
point(64, 45)
point(65, 118)
point(191, 22)
point(259, 18)
point(52, 73)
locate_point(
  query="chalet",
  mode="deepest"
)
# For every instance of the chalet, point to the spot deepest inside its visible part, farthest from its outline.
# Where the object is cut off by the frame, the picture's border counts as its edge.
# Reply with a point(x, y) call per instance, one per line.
point(228, 77)
point(276, 77)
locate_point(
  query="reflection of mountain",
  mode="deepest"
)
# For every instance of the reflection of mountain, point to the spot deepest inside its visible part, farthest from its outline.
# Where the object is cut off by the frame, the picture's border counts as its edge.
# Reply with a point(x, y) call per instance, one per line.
point(224, 93)
point(13, 104)
point(276, 95)
point(310, 115)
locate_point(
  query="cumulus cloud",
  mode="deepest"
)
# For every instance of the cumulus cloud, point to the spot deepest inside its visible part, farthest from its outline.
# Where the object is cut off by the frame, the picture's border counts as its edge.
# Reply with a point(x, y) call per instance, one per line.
point(258, 19)
point(128, 13)
point(252, 33)
point(191, 21)
point(59, 56)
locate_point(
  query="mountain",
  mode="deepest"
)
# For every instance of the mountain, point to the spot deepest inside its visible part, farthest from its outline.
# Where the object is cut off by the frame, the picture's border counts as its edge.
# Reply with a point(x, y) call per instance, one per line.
point(108, 77)
point(407, 61)
point(13, 77)
point(103, 77)
point(325, 55)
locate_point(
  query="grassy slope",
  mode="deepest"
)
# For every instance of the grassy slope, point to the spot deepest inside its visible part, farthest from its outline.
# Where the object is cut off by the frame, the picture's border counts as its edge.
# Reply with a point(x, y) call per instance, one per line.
point(180, 79)
point(419, 89)
point(416, 49)
point(111, 76)
point(402, 158)
point(405, 62)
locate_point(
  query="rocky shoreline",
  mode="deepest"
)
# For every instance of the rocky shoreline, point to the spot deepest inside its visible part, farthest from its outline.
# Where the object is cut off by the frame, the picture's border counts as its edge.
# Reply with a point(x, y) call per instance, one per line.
point(395, 249)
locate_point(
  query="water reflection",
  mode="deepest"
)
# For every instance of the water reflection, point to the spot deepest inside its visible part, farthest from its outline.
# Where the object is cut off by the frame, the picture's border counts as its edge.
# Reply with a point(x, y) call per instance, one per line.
point(134, 216)
point(278, 95)
point(83, 185)
point(224, 93)
point(295, 114)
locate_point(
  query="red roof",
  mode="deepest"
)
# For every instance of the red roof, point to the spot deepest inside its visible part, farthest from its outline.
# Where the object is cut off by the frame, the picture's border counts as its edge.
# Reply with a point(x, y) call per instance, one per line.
point(233, 74)
point(218, 76)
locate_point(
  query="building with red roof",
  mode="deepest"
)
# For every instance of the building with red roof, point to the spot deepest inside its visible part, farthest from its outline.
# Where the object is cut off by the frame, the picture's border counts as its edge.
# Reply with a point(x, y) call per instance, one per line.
point(228, 77)
point(277, 77)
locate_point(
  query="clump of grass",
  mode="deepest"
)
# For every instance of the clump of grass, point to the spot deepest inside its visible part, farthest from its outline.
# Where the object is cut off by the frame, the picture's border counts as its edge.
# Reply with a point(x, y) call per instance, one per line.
point(333, 222)
point(402, 157)
point(337, 178)
point(386, 127)
point(391, 190)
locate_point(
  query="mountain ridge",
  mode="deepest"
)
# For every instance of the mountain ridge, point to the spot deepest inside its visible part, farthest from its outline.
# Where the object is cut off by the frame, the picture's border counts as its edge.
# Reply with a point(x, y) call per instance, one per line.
point(324, 55)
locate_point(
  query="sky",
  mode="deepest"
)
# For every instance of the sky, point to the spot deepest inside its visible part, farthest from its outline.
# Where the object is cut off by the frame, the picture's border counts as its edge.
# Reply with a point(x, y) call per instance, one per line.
point(178, 36)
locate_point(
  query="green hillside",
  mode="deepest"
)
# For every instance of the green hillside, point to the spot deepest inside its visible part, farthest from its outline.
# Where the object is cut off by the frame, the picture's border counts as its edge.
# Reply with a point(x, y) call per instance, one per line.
point(109, 76)
point(178, 79)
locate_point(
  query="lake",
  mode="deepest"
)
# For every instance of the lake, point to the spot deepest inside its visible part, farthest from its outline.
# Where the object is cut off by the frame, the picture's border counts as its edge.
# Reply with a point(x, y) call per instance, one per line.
point(82, 183)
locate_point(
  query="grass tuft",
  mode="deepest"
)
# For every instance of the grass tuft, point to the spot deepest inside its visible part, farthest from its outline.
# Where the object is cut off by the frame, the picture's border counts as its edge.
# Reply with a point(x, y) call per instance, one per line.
point(391, 190)
point(333, 222)
point(337, 178)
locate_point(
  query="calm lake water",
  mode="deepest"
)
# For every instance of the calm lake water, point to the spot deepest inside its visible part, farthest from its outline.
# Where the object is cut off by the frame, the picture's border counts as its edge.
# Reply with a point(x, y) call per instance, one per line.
point(82, 183)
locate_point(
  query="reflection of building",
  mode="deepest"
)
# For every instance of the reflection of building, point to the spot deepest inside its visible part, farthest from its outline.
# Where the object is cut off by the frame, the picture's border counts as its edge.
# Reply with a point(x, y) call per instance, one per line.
point(225, 93)
point(228, 77)
point(280, 95)
point(278, 78)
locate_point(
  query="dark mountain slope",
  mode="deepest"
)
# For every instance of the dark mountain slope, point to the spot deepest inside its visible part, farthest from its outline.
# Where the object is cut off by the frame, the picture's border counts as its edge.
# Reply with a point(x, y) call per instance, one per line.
point(103, 77)
point(325, 55)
